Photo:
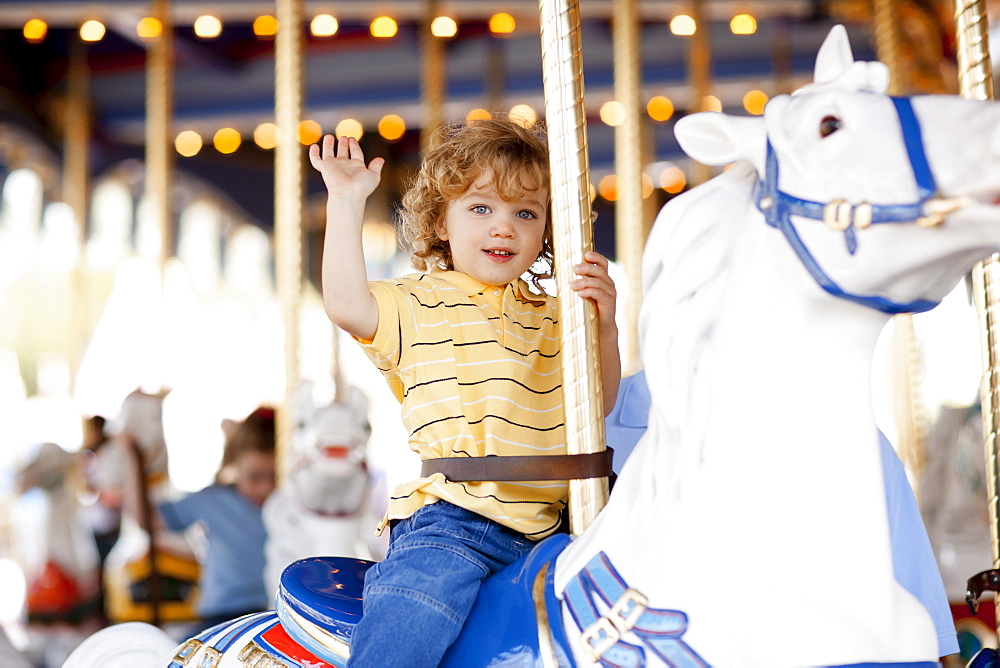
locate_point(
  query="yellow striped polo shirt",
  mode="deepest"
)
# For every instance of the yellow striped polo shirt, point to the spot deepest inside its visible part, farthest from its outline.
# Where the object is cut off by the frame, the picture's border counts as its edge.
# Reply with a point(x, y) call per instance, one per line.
point(477, 371)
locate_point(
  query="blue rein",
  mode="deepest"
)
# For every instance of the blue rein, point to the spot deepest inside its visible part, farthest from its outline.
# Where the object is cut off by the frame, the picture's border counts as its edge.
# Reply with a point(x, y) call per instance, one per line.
point(778, 208)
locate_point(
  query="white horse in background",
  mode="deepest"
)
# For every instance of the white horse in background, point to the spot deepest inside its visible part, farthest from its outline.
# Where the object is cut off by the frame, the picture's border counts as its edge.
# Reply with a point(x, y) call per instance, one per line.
point(324, 504)
point(63, 570)
point(748, 527)
point(137, 587)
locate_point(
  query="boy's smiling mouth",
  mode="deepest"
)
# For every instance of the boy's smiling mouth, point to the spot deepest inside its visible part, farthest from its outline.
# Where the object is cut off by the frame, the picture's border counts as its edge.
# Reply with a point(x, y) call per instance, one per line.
point(499, 253)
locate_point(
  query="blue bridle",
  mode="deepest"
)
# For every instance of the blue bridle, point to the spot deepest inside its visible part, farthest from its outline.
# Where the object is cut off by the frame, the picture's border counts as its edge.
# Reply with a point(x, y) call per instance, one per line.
point(778, 208)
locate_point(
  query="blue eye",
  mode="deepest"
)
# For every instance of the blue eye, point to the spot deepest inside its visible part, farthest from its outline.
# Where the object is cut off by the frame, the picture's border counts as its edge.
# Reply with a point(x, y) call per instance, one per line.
point(480, 209)
point(527, 215)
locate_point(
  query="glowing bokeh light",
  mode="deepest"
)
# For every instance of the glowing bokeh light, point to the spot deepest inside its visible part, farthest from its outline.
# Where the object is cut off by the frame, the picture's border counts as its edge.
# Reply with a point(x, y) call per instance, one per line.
point(444, 26)
point(478, 115)
point(743, 24)
point(324, 25)
point(612, 113)
point(265, 135)
point(754, 101)
point(673, 180)
point(92, 31)
point(227, 140)
point(383, 26)
point(35, 30)
point(682, 24)
point(523, 114)
point(188, 143)
point(310, 132)
point(502, 23)
point(265, 26)
point(207, 26)
point(660, 108)
point(607, 187)
point(349, 127)
point(149, 28)
point(391, 127)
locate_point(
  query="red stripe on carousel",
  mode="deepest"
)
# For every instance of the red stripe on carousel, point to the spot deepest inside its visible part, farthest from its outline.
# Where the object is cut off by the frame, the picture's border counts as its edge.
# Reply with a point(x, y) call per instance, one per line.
point(278, 638)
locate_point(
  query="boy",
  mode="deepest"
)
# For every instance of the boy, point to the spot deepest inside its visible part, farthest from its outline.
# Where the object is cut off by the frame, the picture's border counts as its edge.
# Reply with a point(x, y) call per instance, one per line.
point(472, 354)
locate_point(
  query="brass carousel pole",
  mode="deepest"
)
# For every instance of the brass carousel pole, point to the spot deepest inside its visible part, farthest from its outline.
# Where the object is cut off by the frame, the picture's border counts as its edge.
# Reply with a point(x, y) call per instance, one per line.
point(76, 188)
point(907, 362)
point(562, 66)
point(159, 168)
point(629, 224)
point(975, 78)
point(432, 85)
point(700, 74)
point(159, 113)
point(288, 194)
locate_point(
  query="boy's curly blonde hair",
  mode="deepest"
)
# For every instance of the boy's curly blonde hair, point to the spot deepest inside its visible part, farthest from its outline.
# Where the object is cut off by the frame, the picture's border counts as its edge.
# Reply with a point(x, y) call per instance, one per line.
point(517, 160)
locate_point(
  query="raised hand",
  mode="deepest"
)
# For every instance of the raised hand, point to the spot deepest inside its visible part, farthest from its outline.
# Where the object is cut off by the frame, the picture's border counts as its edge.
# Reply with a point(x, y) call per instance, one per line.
point(342, 164)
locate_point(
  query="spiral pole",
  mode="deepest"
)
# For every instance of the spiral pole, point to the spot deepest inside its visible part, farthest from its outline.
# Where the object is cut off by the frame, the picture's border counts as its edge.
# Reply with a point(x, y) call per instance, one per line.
point(562, 66)
point(288, 195)
point(975, 79)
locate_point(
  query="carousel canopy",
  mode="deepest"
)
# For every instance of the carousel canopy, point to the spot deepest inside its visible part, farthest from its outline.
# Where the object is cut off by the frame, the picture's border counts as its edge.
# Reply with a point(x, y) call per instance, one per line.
point(225, 78)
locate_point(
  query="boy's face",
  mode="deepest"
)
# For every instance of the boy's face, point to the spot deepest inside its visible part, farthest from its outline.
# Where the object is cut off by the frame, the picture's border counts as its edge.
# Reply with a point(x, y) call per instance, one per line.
point(492, 240)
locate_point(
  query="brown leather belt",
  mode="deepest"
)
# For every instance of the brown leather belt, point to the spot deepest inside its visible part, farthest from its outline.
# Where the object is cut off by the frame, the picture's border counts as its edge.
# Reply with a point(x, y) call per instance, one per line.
point(534, 467)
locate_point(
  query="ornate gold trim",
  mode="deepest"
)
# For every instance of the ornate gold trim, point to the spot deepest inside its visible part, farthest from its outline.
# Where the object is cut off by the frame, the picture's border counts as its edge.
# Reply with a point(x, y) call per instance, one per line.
point(546, 648)
point(254, 656)
point(187, 650)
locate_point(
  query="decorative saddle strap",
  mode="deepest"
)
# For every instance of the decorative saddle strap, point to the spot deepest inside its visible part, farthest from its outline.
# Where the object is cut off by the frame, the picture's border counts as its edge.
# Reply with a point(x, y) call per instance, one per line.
point(511, 468)
point(627, 612)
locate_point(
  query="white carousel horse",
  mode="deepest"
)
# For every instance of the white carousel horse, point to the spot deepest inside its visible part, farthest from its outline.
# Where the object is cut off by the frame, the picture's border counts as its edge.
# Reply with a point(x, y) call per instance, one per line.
point(135, 589)
point(748, 527)
point(322, 507)
point(65, 585)
point(63, 602)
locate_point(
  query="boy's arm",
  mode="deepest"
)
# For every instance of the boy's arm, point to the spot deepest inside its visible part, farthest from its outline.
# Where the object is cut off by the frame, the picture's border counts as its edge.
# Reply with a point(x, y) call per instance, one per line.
point(349, 182)
point(593, 282)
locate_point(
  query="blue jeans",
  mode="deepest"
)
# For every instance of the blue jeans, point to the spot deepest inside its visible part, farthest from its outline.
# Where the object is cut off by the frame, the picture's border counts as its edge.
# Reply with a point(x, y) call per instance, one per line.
point(417, 599)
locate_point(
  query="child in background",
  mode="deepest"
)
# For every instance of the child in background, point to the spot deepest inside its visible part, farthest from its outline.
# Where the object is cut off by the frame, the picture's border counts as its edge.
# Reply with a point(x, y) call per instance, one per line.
point(232, 576)
point(472, 353)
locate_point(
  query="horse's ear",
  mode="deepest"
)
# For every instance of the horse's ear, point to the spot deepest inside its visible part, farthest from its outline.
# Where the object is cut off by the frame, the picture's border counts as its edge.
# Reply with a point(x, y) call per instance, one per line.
point(712, 138)
point(835, 56)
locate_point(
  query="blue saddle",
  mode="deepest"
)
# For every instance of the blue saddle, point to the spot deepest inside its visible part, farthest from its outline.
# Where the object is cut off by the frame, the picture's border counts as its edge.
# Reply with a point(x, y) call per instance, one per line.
point(319, 603)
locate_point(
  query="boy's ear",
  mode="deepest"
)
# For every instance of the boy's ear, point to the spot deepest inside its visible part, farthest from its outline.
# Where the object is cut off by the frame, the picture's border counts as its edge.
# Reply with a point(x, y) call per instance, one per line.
point(441, 230)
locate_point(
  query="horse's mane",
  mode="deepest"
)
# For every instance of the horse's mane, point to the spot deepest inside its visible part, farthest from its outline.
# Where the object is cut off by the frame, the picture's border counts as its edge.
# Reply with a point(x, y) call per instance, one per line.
point(685, 271)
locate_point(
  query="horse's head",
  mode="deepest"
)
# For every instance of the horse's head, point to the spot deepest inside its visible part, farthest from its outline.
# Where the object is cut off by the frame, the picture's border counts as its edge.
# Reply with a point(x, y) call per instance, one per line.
point(328, 469)
point(140, 419)
point(886, 201)
point(47, 468)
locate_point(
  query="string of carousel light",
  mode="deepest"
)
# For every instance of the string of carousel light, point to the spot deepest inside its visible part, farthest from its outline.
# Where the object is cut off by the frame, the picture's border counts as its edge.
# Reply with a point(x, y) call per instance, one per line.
point(323, 25)
point(392, 127)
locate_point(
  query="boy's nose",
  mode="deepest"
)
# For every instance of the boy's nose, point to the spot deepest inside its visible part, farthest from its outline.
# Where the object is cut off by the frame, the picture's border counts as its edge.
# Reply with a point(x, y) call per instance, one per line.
point(502, 228)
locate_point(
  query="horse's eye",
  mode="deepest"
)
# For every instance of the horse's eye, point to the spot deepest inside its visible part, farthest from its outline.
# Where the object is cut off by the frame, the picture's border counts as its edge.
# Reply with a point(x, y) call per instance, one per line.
point(828, 126)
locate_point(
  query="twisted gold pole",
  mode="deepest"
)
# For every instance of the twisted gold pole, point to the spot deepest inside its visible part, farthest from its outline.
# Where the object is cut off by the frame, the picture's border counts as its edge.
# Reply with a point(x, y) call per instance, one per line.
point(975, 79)
point(887, 43)
point(159, 113)
point(562, 66)
point(159, 151)
point(432, 88)
point(288, 194)
point(700, 75)
point(907, 361)
point(76, 188)
point(629, 224)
